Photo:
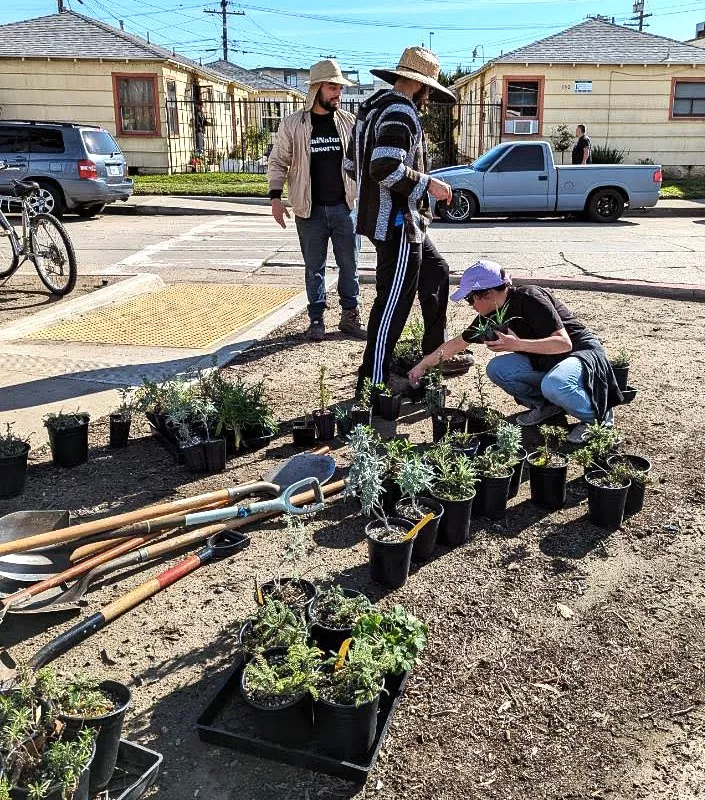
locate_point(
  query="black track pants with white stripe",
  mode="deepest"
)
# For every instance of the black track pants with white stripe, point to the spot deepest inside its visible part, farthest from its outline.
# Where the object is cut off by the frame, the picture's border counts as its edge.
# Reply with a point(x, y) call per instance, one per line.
point(403, 271)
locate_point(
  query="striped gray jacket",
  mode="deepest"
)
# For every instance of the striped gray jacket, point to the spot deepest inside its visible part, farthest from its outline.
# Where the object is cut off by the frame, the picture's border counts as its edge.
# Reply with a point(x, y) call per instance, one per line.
point(387, 158)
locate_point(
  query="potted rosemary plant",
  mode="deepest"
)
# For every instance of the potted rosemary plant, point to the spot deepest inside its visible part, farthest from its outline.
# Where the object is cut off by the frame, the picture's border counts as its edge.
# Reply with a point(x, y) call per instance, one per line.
point(548, 469)
point(361, 411)
point(303, 431)
point(508, 439)
point(620, 366)
point(13, 462)
point(121, 420)
point(323, 417)
point(414, 478)
point(388, 402)
point(607, 496)
point(637, 469)
point(454, 488)
point(388, 544)
point(495, 471)
point(68, 437)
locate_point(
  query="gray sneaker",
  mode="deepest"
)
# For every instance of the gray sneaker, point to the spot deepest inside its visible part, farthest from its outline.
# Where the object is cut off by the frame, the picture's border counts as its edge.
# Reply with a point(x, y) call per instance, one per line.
point(576, 435)
point(537, 415)
point(316, 331)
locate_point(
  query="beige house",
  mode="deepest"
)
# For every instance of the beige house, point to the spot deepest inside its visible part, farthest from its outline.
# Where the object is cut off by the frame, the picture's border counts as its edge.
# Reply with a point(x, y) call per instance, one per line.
point(636, 92)
point(70, 67)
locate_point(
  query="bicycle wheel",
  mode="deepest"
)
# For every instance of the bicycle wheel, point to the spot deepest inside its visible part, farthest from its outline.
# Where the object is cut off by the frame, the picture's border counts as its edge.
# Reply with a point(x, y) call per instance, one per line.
point(52, 253)
point(8, 256)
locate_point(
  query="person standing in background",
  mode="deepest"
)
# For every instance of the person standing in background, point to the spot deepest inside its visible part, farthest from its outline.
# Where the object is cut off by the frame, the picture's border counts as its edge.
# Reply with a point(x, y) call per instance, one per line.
point(582, 150)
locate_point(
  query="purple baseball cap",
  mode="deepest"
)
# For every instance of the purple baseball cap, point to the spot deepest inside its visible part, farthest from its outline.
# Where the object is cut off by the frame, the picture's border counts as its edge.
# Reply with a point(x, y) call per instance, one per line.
point(481, 275)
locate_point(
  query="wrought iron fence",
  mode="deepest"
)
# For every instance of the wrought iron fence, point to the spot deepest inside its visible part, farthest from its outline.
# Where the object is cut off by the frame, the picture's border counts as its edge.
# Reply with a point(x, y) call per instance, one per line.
point(237, 135)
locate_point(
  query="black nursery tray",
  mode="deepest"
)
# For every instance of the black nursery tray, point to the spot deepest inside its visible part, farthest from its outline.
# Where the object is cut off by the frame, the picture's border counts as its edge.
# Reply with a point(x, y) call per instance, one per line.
point(225, 722)
point(248, 445)
point(136, 770)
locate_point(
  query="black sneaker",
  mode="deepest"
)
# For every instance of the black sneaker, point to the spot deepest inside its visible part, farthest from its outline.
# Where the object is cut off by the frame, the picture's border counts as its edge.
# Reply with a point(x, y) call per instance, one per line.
point(316, 331)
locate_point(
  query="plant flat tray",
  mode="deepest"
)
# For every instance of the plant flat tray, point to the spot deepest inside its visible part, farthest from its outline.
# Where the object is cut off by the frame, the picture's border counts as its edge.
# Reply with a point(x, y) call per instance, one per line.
point(248, 446)
point(136, 770)
point(224, 722)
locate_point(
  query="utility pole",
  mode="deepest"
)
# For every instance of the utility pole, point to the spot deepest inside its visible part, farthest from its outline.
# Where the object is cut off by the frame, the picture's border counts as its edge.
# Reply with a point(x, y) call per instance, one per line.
point(430, 37)
point(639, 16)
point(61, 6)
point(224, 13)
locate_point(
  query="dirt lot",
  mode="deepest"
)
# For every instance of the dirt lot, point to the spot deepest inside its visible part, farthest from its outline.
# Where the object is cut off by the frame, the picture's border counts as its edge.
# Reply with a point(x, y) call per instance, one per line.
point(511, 699)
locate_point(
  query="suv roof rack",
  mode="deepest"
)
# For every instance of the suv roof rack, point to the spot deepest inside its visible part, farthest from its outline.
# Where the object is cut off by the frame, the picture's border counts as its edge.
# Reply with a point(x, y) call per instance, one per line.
point(63, 124)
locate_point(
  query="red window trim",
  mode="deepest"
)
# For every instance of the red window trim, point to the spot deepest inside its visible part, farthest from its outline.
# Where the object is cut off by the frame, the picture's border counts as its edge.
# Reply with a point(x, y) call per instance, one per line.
point(540, 79)
point(674, 81)
point(155, 102)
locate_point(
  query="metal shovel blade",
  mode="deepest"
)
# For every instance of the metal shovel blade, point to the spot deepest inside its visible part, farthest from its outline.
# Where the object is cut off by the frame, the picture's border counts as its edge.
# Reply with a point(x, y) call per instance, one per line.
point(300, 467)
point(34, 565)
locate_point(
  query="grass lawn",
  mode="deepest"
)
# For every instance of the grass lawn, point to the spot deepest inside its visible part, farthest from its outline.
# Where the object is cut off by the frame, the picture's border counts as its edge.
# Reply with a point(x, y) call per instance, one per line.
point(686, 189)
point(224, 184)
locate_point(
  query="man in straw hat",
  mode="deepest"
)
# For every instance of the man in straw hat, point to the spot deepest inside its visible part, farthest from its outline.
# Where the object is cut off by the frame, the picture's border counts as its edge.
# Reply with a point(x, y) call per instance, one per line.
point(387, 157)
point(308, 154)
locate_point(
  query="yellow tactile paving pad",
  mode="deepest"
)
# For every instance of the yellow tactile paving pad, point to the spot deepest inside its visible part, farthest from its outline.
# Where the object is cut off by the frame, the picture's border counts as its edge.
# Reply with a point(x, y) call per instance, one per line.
point(182, 315)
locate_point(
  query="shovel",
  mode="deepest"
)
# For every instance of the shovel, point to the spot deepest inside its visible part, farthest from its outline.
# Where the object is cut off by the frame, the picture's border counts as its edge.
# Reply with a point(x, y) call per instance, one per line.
point(38, 565)
point(316, 464)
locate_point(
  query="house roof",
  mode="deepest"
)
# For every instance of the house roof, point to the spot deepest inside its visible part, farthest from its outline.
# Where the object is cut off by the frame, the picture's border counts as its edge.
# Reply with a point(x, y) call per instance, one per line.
point(596, 41)
point(72, 35)
point(249, 78)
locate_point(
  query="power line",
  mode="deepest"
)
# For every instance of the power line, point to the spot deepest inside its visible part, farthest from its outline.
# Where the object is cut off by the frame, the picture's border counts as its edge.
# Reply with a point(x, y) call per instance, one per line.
point(225, 14)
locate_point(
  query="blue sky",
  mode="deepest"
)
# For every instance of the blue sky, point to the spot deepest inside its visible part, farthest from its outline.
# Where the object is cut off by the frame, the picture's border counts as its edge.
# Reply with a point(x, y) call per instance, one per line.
point(359, 33)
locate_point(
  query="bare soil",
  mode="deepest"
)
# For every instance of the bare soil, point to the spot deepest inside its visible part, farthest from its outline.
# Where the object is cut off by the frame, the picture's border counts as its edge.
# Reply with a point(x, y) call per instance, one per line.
point(24, 294)
point(563, 662)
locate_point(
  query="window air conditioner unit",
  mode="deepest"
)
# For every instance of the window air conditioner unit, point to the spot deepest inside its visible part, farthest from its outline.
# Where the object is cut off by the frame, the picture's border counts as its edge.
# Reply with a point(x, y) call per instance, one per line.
point(521, 126)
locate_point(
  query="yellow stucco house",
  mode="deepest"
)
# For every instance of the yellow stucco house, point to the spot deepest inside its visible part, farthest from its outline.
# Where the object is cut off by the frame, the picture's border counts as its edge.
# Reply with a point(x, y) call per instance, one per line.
point(166, 111)
point(636, 92)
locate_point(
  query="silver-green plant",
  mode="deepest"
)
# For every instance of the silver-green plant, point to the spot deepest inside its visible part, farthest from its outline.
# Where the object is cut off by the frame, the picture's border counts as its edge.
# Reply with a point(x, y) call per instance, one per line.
point(508, 439)
point(368, 470)
point(414, 476)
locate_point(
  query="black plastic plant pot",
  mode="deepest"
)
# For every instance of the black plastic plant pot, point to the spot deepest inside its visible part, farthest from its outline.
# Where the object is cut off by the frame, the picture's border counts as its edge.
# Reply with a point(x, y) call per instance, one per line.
point(215, 452)
point(343, 426)
point(326, 638)
point(621, 375)
point(416, 394)
point(435, 397)
point(548, 484)
point(119, 430)
point(628, 393)
point(454, 526)
point(108, 729)
point(13, 471)
point(487, 439)
point(637, 490)
point(290, 723)
point(517, 474)
point(605, 503)
point(447, 420)
point(307, 588)
point(476, 419)
point(425, 539)
point(470, 450)
point(346, 732)
point(81, 792)
point(391, 495)
point(491, 495)
point(325, 424)
point(69, 446)
point(257, 437)
point(389, 561)
point(304, 435)
point(361, 416)
point(389, 406)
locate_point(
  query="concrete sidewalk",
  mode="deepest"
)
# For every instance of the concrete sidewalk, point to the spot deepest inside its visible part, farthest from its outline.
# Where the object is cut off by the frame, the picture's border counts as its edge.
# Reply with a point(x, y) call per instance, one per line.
point(189, 205)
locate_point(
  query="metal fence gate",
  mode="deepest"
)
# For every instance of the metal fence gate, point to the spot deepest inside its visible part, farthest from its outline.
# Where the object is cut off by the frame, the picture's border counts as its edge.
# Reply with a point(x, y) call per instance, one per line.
point(236, 135)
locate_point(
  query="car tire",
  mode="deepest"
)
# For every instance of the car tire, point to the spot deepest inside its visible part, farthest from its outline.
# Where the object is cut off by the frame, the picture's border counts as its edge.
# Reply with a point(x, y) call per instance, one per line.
point(463, 208)
point(53, 200)
point(92, 210)
point(605, 205)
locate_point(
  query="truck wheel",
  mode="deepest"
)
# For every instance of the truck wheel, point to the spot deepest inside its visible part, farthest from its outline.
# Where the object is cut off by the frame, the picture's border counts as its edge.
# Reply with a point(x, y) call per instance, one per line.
point(606, 205)
point(462, 209)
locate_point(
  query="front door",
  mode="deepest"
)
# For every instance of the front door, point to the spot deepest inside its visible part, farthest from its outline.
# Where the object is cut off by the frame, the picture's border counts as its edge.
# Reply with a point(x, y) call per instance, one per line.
point(518, 181)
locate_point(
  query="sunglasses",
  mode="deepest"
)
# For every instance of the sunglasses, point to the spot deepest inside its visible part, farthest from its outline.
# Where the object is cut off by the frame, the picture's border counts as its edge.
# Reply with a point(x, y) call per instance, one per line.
point(478, 295)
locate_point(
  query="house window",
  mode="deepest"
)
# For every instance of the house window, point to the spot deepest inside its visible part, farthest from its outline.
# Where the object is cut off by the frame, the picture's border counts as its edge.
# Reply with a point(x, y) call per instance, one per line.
point(172, 109)
point(136, 104)
point(291, 77)
point(688, 99)
point(522, 98)
point(271, 116)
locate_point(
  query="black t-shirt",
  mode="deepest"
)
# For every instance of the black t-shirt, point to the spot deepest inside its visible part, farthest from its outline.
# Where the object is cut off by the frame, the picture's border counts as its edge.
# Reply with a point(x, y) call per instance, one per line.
point(327, 187)
point(539, 315)
point(580, 147)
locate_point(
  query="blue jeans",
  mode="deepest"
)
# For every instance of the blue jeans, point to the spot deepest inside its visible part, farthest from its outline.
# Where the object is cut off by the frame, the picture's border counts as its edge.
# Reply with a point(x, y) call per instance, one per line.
point(562, 386)
point(332, 223)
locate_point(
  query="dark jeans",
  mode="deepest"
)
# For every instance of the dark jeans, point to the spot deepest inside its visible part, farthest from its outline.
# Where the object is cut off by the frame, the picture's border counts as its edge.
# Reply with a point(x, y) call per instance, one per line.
point(403, 271)
point(326, 223)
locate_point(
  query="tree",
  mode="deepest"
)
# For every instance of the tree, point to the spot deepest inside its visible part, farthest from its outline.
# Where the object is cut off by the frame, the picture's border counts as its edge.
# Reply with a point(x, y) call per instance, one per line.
point(561, 139)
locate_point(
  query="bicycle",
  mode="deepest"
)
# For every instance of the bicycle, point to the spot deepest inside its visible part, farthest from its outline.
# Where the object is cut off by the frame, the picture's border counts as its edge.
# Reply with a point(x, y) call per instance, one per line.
point(44, 242)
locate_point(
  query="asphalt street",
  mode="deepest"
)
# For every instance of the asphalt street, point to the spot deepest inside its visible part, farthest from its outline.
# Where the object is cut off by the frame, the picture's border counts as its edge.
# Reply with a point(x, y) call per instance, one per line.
point(199, 240)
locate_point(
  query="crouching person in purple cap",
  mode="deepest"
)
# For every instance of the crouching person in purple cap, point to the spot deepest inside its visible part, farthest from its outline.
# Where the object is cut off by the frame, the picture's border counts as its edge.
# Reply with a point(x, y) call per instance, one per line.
point(551, 363)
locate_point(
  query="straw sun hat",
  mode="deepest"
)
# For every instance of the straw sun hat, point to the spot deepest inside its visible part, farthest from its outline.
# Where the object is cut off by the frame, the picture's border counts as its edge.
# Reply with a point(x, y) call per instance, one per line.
point(326, 71)
point(418, 64)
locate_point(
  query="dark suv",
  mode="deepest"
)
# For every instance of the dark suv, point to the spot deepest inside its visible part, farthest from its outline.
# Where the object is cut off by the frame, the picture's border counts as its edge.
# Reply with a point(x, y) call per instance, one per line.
point(79, 168)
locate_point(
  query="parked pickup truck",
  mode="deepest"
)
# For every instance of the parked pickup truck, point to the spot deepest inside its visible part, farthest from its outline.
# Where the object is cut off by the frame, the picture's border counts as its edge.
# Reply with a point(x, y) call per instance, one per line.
point(522, 178)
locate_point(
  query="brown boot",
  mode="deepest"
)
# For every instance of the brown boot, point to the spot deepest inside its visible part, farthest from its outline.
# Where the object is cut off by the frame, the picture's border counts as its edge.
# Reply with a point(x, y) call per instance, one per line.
point(351, 323)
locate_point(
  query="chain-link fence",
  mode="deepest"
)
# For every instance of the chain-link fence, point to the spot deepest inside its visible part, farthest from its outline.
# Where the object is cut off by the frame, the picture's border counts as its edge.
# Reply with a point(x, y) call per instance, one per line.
point(237, 135)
